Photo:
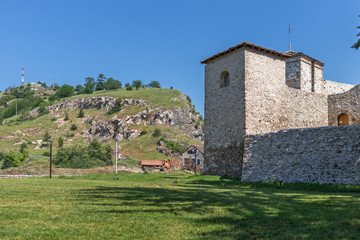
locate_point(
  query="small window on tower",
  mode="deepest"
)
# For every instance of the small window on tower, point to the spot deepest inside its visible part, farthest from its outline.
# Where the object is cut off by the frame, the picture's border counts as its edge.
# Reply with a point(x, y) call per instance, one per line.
point(224, 79)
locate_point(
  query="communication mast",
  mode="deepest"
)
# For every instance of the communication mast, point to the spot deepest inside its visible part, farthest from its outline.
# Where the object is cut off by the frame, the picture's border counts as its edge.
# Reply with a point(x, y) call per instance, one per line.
point(22, 75)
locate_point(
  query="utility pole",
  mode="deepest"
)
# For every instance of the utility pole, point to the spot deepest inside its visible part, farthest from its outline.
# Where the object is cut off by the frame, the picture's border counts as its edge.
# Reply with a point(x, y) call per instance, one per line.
point(50, 140)
point(195, 161)
point(116, 155)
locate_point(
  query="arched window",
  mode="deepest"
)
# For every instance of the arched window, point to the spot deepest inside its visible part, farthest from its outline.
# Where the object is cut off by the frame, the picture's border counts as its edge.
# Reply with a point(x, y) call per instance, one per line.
point(343, 119)
point(224, 79)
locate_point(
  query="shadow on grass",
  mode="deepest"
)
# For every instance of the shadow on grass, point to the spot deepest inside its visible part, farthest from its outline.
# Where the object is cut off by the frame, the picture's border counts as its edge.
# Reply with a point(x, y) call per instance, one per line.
point(235, 210)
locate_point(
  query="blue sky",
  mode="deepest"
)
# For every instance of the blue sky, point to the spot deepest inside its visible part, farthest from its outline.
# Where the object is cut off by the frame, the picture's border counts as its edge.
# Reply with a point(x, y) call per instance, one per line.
point(67, 41)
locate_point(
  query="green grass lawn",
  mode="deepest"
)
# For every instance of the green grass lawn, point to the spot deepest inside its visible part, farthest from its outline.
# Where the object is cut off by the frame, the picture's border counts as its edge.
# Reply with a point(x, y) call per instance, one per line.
point(174, 206)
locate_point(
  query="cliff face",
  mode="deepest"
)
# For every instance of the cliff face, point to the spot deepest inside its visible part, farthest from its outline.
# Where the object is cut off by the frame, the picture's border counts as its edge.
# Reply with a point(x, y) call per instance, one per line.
point(121, 127)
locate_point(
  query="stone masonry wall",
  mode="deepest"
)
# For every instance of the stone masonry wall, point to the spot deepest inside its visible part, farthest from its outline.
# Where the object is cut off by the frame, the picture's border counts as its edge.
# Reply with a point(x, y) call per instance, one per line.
point(224, 115)
point(316, 155)
point(271, 105)
point(336, 87)
point(302, 73)
point(348, 103)
point(293, 73)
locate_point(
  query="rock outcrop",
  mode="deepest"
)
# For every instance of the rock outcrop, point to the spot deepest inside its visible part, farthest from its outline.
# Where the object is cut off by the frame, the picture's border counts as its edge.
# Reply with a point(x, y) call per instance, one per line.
point(120, 127)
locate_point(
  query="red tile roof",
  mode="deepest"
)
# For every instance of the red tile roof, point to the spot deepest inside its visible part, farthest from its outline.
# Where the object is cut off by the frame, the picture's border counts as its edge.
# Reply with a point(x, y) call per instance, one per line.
point(245, 44)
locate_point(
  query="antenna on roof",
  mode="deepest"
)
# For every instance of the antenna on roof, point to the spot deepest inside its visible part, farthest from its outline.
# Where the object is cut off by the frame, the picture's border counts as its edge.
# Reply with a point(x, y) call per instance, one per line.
point(289, 38)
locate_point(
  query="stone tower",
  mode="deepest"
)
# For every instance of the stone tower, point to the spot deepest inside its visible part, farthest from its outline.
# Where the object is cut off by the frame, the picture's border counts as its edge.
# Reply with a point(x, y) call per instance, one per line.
point(253, 90)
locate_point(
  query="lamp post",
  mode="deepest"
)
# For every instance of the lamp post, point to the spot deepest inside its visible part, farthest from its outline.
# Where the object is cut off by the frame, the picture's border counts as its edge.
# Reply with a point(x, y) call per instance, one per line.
point(50, 140)
point(116, 154)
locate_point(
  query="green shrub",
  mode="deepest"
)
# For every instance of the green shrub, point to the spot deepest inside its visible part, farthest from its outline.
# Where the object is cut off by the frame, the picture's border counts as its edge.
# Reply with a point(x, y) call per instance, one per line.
point(23, 148)
point(60, 142)
point(188, 99)
point(81, 113)
point(46, 154)
point(154, 84)
point(116, 108)
point(70, 135)
point(143, 132)
point(73, 127)
point(137, 84)
point(173, 146)
point(157, 133)
point(53, 119)
point(65, 91)
point(66, 116)
point(93, 155)
point(46, 137)
point(12, 159)
point(2, 156)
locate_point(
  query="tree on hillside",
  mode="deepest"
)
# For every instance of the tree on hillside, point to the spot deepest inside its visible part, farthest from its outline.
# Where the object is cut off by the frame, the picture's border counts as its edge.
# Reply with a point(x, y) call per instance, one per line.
point(112, 84)
point(89, 85)
point(65, 91)
point(357, 44)
point(46, 137)
point(100, 82)
point(79, 89)
point(154, 84)
point(55, 86)
point(81, 113)
point(137, 84)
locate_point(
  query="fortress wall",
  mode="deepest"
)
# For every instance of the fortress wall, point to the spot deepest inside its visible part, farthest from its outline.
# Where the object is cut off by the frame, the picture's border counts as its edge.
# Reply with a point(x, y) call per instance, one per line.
point(224, 115)
point(348, 103)
point(271, 105)
point(336, 87)
point(316, 155)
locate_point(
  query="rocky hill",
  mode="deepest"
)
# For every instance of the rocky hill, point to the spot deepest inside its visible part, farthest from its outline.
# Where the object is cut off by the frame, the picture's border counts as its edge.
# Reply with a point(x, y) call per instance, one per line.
point(141, 112)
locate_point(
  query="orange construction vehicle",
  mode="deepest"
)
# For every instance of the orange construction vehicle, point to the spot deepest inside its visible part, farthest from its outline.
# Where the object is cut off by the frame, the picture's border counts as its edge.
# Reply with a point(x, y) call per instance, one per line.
point(162, 165)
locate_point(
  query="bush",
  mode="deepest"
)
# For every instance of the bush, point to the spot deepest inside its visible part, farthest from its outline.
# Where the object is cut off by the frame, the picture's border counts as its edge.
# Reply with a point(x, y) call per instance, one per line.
point(157, 133)
point(2, 156)
point(65, 91)
point(116, 108)
point(188, 99)
point(42, 110)
point(23, 146)
point(46, 154)
point(53, 119)
point(143, 132)
point(53, 98)
point(94, 155)
point(66, 116)
point(129, 88)
point(174, 146)
point(137, 84)
point(12, 159)
point(73, 127)
point(154, 84)
point(46, 136)
point(112, 84)
point(81, 113)
point(60, 142)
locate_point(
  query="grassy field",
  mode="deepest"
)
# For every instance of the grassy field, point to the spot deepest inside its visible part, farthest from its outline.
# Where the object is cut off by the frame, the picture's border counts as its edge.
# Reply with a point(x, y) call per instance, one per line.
point(174, 206)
